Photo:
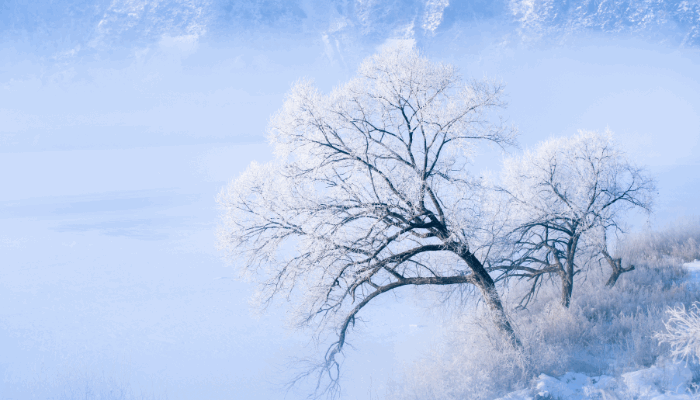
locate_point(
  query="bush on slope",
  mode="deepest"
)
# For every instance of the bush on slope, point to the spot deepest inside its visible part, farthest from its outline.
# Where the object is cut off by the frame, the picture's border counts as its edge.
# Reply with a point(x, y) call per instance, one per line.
point(606, 331)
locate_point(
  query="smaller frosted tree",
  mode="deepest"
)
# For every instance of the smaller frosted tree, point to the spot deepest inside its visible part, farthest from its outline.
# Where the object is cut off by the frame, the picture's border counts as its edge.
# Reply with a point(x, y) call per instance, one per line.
point(565, 195)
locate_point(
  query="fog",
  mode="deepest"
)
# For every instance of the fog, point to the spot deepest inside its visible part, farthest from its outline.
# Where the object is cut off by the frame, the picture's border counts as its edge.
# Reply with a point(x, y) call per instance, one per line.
point(115, 140)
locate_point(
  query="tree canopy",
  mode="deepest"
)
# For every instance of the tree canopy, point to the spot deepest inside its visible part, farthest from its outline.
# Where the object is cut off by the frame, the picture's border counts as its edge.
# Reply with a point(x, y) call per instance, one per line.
point(566, 194)
point(370, 191)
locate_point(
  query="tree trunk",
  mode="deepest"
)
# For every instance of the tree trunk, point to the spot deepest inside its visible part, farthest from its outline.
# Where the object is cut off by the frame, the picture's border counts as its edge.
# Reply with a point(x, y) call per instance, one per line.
point(493, 300)
point(567, 286)
point(617, 269)
point(567, 279)
point(613, 278)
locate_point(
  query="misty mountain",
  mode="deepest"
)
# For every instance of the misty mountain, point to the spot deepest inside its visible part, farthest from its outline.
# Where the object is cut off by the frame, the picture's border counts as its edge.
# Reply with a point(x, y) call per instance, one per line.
point(69, 27)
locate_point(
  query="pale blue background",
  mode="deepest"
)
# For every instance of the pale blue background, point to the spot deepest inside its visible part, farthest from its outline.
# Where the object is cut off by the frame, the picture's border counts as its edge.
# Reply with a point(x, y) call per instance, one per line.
point(120, 122)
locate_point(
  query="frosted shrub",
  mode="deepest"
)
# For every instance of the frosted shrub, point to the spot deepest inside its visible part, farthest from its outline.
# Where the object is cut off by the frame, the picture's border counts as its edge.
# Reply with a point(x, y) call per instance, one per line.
point(474, 363)
point(679, 241)
point(683, 332)
point(605, 331)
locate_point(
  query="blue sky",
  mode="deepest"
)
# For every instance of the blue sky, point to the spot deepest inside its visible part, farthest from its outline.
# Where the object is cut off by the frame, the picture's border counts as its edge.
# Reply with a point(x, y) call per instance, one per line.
point(121, 121)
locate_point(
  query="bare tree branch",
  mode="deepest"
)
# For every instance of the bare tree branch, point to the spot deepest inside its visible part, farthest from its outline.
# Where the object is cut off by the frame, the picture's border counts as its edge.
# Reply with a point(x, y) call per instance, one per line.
point(371, 190)
point(565, 195)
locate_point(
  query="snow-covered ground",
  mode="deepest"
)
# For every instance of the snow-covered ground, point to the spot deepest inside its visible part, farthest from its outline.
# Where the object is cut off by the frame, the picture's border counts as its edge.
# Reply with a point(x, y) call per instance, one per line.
point(667, 380)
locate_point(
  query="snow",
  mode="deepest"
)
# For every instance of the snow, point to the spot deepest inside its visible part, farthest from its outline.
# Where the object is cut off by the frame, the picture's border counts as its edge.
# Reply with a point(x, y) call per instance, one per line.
point(667, 381)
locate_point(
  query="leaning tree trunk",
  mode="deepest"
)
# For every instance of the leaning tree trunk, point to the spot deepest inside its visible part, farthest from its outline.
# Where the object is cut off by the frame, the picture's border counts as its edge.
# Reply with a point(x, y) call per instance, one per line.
point(483, 281)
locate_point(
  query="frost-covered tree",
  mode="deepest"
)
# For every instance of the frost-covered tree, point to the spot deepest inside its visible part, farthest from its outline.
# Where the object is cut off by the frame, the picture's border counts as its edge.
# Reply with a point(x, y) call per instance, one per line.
point(565, 195)
point(370, 191)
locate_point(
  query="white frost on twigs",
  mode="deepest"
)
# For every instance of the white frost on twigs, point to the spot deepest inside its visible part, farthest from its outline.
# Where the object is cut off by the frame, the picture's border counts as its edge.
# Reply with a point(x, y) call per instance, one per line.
point(683, 332)
point(370, 190)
